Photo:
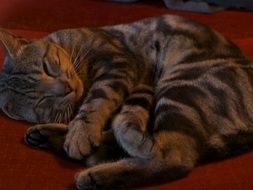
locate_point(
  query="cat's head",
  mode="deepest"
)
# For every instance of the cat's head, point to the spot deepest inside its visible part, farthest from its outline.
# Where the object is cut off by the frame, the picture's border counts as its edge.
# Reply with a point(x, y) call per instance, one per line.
point(38, 82)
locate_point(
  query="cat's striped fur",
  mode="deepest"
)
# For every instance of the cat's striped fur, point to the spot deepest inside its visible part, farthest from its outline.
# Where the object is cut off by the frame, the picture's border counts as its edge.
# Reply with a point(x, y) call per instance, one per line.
point(171, 92)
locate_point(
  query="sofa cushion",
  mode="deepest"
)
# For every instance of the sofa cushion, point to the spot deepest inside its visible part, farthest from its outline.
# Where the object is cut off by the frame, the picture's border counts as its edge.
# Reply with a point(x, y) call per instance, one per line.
point(41, 15)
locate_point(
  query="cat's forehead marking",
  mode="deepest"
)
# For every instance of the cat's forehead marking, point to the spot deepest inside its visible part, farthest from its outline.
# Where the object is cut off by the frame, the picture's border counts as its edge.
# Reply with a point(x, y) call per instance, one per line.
point(58, 49)
point(32, 55)
point(35, 49)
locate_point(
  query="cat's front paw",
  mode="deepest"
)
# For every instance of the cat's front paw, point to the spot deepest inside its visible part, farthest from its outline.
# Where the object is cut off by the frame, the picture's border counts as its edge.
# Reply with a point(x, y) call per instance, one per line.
point(81, 140)
point(48, 136)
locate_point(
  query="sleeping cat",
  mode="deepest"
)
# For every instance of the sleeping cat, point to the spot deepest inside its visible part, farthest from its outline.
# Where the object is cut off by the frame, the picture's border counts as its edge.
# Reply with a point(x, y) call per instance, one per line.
point(160, 95)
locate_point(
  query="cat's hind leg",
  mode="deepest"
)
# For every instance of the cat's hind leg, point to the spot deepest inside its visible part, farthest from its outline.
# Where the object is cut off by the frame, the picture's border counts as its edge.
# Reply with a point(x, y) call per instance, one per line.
point(175, 159)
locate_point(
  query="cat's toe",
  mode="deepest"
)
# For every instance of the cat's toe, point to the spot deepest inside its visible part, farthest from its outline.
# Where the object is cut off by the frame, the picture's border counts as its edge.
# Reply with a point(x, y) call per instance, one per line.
point(80, 141)
point(36, 138)
point(136, 142)
point(77, 145)
point(47, 136)
point(86, 181)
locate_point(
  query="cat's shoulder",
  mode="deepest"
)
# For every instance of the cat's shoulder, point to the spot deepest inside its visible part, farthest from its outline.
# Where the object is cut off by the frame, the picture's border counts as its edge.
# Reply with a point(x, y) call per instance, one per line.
point(166, 21)
point(69, 34)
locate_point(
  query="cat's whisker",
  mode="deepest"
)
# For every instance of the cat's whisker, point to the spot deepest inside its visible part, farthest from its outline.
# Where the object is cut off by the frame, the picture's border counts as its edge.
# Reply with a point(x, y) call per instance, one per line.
point(67, 118)
point(64, 116)
point(68, 113)
point(60, 118)
point(74, 61)
point(56, 118)
point(77, 55)
point(77, 64)
point(72, 53)
point(78, 70)
point(70, 109)
point(86, 54)
point(78, 67)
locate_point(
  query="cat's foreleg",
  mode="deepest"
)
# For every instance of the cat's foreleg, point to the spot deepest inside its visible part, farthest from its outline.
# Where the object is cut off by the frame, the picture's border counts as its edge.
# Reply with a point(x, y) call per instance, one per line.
point(52, 136)
point(47, 136)
point(130, 126)
point(111, 84)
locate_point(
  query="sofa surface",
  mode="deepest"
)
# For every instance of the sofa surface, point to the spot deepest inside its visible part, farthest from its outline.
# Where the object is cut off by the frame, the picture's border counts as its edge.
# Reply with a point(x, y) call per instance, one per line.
point(25, 168)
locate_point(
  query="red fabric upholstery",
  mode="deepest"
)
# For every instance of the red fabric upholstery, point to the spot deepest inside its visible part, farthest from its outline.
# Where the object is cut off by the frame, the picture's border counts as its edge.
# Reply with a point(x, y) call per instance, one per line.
point(24, 168)
point(41, 15)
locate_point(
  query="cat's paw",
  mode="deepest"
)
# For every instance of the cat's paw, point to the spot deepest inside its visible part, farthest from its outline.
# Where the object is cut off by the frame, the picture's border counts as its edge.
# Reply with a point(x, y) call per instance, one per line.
point(85, 181)
point(109, 175)
point(81, 140)
point(47, 136)
point(91, 179)
point(134, 141)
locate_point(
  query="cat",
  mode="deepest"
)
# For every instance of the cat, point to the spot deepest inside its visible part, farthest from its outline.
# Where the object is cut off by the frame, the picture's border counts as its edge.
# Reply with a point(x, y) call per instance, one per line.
point(142, 103)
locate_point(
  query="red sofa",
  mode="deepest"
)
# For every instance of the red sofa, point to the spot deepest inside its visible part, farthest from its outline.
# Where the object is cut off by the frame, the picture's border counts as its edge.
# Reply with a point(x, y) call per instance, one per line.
point(24, 168)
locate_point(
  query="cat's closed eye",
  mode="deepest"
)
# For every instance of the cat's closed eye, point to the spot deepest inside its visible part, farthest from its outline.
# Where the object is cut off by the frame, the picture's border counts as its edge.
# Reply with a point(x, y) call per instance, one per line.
point(51, 69)
point(68, 88)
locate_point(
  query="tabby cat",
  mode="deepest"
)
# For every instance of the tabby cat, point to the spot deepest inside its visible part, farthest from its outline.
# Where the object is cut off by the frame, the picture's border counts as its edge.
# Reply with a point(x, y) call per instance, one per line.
point(160, 95)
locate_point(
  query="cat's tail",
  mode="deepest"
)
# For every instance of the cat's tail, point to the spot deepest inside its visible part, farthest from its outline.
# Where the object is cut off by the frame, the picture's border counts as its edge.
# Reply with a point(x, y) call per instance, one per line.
point(174, 161)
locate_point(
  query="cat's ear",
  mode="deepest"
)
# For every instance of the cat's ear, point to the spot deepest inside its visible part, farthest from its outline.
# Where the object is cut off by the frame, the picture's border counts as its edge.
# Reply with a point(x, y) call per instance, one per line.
point(12, 43)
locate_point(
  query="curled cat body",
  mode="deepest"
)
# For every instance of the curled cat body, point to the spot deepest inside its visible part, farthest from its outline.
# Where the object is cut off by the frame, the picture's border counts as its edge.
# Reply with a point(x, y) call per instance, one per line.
point(142, 103)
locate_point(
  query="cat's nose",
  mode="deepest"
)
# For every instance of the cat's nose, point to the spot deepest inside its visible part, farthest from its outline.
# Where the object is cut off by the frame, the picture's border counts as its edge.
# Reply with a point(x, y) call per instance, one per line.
point(68, 89)
point(55, 87)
